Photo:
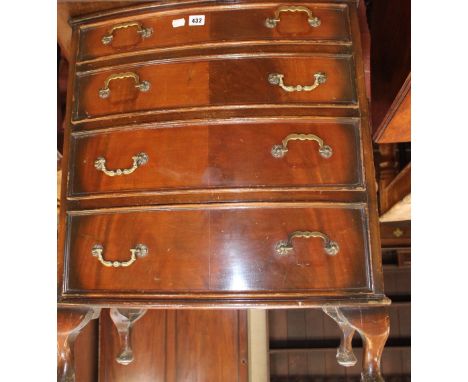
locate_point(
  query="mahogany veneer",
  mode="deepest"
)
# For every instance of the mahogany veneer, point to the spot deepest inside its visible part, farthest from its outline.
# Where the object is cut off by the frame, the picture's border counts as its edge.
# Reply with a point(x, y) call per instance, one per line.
point(220, 156)
point(224, 23)
point(222, 81)
point(219, 249)
point(193, 178)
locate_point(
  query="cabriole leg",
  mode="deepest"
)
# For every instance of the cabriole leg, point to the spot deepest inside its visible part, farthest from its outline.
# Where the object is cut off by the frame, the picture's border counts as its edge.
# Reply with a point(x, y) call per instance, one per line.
point(373, 325)
point(70, 322)
point(123, 320)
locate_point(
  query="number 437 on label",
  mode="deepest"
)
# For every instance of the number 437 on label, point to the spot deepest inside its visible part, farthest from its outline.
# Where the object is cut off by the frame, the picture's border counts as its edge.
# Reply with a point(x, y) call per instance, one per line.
point(197, 20)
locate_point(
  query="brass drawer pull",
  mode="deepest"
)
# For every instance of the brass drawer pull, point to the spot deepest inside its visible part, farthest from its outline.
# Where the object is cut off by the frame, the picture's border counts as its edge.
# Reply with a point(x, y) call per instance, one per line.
point(277, 79)
point(144, 32)
point(278, 151)
point(142, 86)
point(140, 250)
point(272, 22)
point(138, 160)
point(284, 247)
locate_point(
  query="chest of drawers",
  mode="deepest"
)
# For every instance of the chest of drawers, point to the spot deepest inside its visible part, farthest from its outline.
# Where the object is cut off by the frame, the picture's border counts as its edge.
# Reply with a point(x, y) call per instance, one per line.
point(218, 155)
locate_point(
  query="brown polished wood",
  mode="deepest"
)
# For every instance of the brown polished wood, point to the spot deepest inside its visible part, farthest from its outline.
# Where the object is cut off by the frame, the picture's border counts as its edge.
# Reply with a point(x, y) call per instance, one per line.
point(219, 249)
point(170, 197)
point(86, 353)
point(225, 156)
point(233, 113)
point(67, 9)
point(196, 159)
point(177, 346)
point(396, 126)
point(212, 218)
point(223, 24)
point(70, 322)
point(222, 81)
point(200, 92)
point(373, 325)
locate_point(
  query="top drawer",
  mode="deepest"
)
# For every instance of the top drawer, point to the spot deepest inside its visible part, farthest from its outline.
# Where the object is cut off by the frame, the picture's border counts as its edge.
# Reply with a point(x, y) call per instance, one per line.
point(213, 26)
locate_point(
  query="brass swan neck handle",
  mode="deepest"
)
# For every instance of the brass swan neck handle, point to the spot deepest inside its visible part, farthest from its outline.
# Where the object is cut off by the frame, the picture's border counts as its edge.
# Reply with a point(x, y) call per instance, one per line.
point(277, 79)
point(140, 250)
point(278, 151)
point(142, 31)
point(330, 247)
point(142, 86)
point(138, 160)
point(311, 19)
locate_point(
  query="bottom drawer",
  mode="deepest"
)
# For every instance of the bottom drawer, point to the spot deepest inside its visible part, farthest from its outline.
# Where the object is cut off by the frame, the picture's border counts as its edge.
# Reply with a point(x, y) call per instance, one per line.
point(281, 247)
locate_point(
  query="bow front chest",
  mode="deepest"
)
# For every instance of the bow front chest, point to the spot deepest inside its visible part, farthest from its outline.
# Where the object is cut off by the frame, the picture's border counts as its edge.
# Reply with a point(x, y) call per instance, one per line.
point(218, 155)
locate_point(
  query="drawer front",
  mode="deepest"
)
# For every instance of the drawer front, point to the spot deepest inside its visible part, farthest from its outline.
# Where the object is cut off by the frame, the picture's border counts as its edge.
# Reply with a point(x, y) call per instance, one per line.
point(216, 83)
point(218, 25)
point(210, 249)
point(273, 154)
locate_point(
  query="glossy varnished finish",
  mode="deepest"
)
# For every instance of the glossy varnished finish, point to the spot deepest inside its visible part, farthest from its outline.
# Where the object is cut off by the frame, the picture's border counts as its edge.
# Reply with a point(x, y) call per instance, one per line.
point(181, 197)
point(222, 89)
point(179, 346)
point(86, 353)
point(219, 156)
point(164, 117)
point(373, 228)
point(373, 325)
point(222, 81)
point(212, 203)
point(224, 24)
point(219, 250)
point(70, 322)
point(396, 125)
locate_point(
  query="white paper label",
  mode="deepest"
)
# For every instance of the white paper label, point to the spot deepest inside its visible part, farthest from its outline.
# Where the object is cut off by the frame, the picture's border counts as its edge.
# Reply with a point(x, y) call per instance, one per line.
point(196, 20)
point(178, 23)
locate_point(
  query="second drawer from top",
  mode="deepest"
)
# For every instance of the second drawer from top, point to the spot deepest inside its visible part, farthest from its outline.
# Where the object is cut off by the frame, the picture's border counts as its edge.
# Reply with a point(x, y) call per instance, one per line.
point(216, 82)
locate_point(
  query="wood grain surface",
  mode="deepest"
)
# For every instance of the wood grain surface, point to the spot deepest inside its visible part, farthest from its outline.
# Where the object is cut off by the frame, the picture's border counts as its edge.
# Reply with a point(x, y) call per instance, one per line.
point(223, 24)
point(218, 156)
point(218, 250)
point(222, 81)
